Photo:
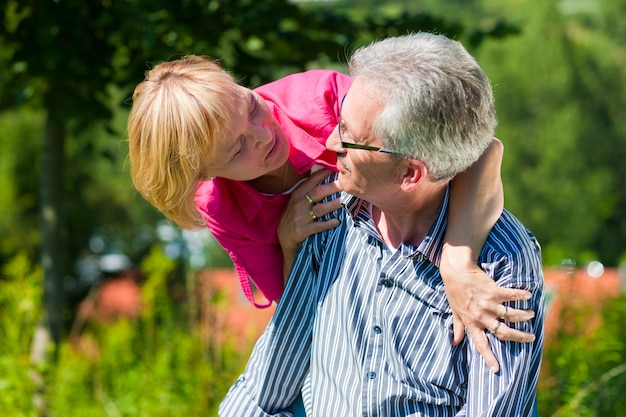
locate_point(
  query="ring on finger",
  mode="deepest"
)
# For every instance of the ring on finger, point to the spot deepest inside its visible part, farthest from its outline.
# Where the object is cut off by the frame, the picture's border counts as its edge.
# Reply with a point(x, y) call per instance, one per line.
point(313, 215)
point(308, 198)
point(496, 327)
point(506, 312)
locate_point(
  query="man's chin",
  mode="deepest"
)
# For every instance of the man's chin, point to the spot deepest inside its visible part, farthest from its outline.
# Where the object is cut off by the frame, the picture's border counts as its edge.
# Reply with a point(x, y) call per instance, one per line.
point(345, 183)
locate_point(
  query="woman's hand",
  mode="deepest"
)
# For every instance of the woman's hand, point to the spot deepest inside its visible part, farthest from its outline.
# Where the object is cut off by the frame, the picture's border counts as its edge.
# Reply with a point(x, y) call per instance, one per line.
point(477, 301)
point(301, 217)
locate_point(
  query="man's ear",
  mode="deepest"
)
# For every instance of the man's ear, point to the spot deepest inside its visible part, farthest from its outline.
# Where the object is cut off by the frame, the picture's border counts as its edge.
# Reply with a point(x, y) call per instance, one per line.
point(414, 172)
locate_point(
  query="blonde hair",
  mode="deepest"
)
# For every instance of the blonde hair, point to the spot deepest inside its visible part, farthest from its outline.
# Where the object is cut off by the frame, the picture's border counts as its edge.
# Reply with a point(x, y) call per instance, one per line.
point(178, 111)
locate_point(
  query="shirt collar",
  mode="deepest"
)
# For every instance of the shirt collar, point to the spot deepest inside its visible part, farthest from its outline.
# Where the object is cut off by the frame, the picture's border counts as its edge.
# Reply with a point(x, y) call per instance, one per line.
point(432, 244)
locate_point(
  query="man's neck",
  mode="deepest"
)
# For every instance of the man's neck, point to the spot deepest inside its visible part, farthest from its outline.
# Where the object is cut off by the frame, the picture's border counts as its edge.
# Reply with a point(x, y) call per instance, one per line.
point(408, 221)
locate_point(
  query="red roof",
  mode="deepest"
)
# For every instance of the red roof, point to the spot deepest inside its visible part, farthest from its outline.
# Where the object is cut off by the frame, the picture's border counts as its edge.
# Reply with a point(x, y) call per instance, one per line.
point(579, 289)
point(239, 319)
point(226, 315)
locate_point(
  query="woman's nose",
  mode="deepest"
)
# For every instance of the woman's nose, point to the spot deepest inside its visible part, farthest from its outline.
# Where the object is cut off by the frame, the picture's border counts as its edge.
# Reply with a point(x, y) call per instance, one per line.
point(262, 135)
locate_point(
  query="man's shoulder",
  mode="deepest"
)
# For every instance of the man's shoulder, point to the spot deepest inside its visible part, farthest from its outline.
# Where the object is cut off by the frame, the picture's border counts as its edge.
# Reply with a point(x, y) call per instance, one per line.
point(511, 248)
point(510, 231)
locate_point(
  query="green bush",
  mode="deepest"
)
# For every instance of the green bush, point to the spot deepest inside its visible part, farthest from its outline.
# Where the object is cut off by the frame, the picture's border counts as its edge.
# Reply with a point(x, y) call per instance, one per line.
point(156, 365)
point(585, 364)
point(20, 293)
point(171, 375)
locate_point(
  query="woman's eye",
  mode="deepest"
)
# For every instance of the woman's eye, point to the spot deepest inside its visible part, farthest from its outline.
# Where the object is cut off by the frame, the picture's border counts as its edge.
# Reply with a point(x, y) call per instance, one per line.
point(239, 150)
point(253, 106)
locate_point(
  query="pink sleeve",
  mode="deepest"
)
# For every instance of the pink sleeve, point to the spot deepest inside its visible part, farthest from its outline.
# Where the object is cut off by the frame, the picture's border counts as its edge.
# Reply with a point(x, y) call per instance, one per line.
point(261, 260)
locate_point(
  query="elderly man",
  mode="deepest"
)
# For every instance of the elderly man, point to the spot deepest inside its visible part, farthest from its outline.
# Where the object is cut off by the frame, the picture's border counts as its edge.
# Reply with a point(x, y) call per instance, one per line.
point(365, 328)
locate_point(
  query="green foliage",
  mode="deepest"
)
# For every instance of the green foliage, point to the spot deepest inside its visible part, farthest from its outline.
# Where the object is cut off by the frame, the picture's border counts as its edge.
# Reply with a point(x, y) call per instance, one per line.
point(20, 142)
point(166, 373)
point(558, 87)
point(20, 293)
point(585, 364)
point(156, 365)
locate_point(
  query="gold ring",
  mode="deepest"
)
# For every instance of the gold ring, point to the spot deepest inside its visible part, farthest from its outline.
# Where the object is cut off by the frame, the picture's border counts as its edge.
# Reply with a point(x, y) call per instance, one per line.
point(506, 311)
point(308, 198)
point(495, 328)
point(313, 216)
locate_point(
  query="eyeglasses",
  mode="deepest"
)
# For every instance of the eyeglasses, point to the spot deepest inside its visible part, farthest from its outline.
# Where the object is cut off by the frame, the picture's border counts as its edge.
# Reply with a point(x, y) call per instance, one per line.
point(349, 145)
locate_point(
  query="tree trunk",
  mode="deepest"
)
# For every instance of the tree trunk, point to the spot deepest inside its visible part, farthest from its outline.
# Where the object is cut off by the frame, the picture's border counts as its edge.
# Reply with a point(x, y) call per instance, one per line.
point(53, 227)
point(53, 253)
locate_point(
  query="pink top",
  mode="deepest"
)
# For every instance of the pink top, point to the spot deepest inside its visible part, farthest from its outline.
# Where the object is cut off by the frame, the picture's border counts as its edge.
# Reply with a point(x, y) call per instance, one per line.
point(243, 220)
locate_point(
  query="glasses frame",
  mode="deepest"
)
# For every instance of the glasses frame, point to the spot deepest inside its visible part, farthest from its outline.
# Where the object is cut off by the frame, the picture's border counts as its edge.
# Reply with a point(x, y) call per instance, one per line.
point(351, 145)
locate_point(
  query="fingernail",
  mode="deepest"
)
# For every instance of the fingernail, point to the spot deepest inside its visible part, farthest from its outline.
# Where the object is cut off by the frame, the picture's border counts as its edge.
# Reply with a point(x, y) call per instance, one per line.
point(494, 369)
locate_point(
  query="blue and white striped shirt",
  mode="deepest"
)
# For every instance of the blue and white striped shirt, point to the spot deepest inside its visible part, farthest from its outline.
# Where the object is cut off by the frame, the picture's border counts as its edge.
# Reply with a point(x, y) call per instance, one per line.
point(365, 330)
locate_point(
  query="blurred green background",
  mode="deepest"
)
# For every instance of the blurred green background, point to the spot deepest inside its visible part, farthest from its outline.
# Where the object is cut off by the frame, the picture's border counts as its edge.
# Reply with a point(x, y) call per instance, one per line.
point(68, 68)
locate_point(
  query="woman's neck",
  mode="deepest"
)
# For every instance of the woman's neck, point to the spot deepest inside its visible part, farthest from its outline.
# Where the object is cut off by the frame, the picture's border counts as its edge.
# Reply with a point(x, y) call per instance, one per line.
point(278, 181)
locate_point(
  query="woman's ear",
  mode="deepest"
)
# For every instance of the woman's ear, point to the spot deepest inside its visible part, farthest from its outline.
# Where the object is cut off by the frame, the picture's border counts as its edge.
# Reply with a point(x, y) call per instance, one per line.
point(414, 171)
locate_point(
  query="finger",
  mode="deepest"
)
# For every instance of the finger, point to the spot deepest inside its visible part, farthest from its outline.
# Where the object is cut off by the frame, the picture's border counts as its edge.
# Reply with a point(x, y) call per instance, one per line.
point(316, 226)
point(481, 342)
point(322, 209)
point(516, 316)
point(322, 226)
point(316, 177)
point(321, 191)
point(512, 294)
point(458, 330)
point(310, 183)
point(505, 333)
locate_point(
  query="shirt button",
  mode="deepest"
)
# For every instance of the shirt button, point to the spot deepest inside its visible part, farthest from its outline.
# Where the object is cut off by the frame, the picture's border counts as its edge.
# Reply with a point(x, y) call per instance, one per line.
point(377, 329)
point(371, 375)
point(387, 282)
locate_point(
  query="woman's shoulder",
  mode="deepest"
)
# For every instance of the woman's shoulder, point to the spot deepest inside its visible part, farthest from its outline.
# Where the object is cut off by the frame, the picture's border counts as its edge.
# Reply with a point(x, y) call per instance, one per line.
point(215, 195)
point(235, 204)
point(315, 81)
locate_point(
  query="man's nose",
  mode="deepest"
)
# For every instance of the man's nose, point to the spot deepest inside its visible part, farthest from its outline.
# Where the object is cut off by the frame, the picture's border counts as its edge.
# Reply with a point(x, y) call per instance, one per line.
point(333, 143)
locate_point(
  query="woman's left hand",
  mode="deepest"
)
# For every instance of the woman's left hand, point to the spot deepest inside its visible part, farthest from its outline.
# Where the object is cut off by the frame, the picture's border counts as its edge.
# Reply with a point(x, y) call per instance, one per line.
point(477, 301)
point(301, 217)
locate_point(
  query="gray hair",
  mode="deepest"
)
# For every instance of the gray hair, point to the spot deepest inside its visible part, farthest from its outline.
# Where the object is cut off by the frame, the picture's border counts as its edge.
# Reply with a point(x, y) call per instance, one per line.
point(438, 102)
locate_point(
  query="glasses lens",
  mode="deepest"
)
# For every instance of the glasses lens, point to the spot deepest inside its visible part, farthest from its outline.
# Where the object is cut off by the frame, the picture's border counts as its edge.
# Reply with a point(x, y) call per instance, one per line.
point(349, 145)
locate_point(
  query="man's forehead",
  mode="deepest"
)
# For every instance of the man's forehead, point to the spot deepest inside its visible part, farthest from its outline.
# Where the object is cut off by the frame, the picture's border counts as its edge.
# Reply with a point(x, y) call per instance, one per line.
point(360, 107)
point(362, 93)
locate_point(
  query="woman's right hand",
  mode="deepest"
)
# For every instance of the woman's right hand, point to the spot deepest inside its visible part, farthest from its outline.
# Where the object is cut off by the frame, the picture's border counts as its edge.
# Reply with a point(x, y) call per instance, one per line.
point(301, 217)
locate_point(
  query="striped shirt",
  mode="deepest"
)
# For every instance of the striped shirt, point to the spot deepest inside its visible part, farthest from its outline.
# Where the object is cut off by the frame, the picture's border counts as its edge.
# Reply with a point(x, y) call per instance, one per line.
point(365, 330)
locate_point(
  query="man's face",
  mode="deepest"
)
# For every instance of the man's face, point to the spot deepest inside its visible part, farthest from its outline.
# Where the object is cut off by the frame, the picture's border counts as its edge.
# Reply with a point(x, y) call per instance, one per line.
point(364, 173)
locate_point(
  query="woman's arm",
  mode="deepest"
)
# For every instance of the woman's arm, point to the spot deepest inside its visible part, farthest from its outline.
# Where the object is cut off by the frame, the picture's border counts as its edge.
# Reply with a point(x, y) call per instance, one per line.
point(476, 202)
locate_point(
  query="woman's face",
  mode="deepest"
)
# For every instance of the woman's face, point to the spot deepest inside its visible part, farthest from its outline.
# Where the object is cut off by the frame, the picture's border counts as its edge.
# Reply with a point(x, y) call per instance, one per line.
point(254, 144)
